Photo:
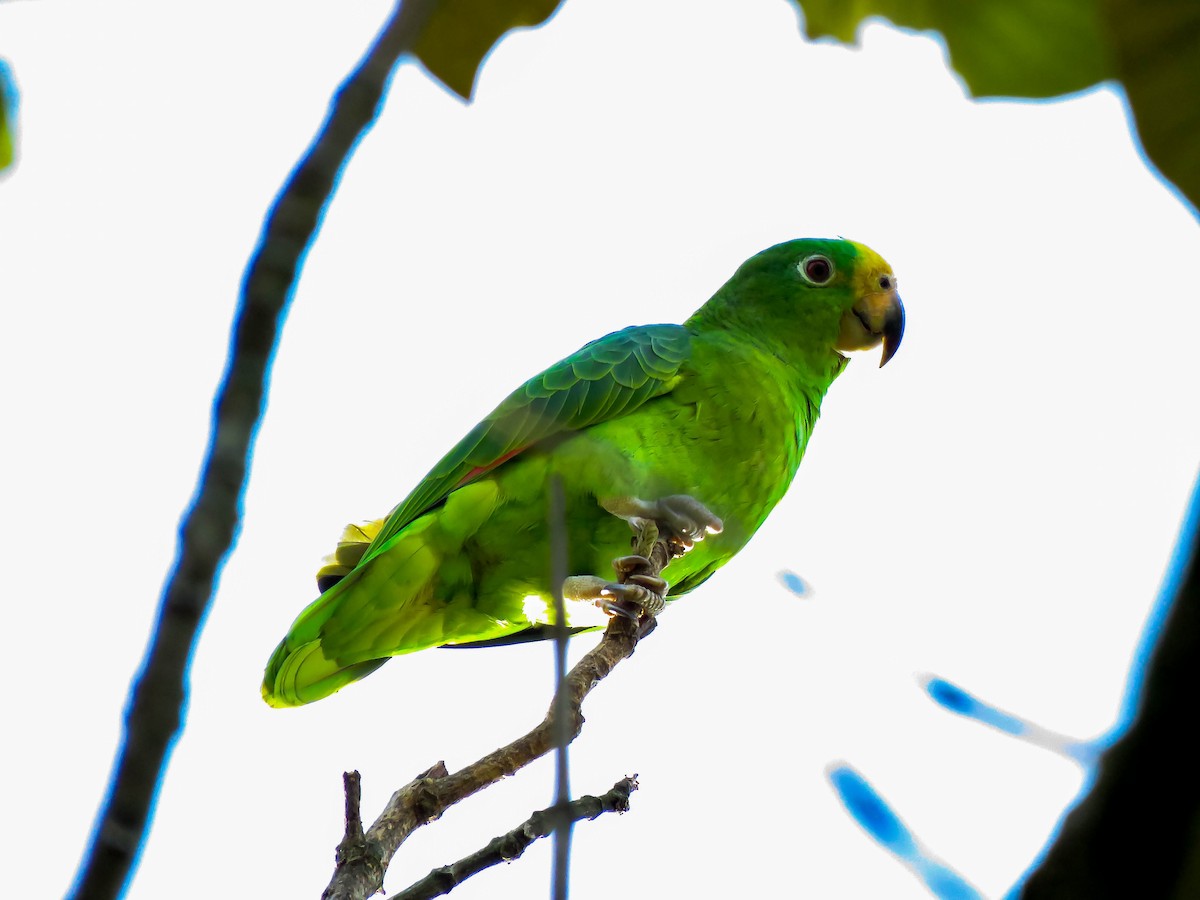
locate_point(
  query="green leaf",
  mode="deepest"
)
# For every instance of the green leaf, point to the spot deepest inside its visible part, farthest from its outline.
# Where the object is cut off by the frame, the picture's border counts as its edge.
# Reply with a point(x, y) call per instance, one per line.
point(1157, 50)
point(8, 114)
point(1045, 48)
point(460, 33)
point(1012, 48)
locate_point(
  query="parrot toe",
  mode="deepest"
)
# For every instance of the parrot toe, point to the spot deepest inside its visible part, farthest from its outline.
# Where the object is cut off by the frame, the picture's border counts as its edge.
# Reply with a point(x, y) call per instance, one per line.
point(629, 565)
point(636, 569)
point(641, 596)
point(688, 517)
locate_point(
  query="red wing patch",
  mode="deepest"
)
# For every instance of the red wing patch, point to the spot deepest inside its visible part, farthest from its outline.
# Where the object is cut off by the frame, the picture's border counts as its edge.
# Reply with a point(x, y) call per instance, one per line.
point(482, 470)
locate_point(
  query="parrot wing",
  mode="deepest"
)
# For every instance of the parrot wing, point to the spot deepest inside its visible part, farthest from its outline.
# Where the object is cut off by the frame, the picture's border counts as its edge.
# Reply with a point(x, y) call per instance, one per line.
point(605, 379)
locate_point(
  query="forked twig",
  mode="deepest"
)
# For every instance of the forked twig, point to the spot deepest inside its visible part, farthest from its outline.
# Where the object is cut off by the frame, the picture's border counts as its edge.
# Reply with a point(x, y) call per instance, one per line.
point(362, 859)
point(511, 845)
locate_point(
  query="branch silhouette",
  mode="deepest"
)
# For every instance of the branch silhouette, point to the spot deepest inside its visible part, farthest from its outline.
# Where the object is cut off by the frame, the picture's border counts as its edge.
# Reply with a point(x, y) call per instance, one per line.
point(1135, 833)
point(153, 720)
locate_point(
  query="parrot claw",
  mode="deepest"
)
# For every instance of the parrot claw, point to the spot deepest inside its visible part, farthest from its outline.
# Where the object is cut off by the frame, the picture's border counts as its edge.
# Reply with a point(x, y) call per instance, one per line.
point(630, 565)
point(642, 595)
point(684, 519)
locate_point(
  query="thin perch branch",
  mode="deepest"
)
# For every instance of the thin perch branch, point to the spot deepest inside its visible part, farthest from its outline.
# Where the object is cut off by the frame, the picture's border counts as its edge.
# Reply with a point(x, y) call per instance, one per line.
point(153, 721)
point(560, 871)
point(360, 869)
point(512, 845)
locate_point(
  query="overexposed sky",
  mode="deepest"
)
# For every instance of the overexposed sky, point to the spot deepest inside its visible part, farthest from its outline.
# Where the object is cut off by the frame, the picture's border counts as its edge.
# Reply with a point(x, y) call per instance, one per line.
point(995, 507)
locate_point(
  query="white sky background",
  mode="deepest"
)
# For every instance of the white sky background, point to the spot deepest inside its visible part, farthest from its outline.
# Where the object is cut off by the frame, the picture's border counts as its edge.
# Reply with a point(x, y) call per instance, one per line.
point(996, 506)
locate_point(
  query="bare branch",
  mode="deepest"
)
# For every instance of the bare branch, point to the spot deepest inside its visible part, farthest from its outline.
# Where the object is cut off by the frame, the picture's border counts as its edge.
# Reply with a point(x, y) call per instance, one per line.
point(362, 864)
point(359, 874)
point(153, 721)
point(352, 784)
point(510, 846)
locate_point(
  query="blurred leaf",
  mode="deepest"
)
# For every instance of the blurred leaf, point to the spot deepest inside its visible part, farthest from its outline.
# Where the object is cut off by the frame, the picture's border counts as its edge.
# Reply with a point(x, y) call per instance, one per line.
point(1045, 48)
point(8, 110)
point(1017, 48)
point(460, 33)
point(1157, 52)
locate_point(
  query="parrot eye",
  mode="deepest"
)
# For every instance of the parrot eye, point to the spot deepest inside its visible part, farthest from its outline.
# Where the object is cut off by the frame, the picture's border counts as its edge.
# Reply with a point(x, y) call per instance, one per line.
point(816, 269)
point(886, 282)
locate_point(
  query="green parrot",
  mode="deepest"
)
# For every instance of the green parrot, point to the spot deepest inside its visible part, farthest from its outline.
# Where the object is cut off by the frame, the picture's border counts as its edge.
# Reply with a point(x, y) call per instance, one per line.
point(699, 427)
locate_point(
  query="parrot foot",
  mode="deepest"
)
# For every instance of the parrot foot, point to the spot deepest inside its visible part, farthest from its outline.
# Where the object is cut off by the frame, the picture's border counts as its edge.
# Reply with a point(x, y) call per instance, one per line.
point(638, 596)
point(684, 519)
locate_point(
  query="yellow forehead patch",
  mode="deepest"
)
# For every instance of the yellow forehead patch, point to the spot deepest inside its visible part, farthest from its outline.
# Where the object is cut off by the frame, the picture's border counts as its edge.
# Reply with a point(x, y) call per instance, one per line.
point(869, 258)
point(870, 267)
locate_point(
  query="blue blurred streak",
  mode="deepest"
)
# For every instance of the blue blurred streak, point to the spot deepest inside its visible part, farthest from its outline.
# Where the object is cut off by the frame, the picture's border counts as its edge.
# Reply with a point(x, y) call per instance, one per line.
point(955, 699)
point(958, 701)
point(947, 884)
point(872, 812)
point(795, 584)
point(952, 697)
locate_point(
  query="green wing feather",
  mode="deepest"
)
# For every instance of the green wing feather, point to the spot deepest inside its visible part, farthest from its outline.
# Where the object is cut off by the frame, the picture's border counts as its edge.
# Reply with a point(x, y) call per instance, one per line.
point(605, 379)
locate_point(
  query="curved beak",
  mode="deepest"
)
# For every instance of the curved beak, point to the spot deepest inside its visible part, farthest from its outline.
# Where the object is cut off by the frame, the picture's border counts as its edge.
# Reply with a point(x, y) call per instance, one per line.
point(876, 318)
point(893, 329)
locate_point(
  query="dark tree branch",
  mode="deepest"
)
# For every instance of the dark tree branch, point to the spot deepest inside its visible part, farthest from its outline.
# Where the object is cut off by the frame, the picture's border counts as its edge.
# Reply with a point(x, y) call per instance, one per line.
point(1137, 833)
point(361, 864)
point(153, 720)
point(510, 846)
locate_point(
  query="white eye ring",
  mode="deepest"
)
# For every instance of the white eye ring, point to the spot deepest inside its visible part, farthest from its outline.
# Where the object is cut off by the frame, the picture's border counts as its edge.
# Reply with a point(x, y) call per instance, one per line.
point(816, 269)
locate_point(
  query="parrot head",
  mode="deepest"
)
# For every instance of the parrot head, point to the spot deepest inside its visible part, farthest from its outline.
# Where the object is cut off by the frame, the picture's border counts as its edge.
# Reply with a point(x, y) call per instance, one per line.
point(819, 295)
point(876, 315)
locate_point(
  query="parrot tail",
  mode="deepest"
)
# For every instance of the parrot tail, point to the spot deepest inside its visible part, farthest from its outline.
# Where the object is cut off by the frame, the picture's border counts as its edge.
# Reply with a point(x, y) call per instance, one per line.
point(301, 675)
point(416, 590)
